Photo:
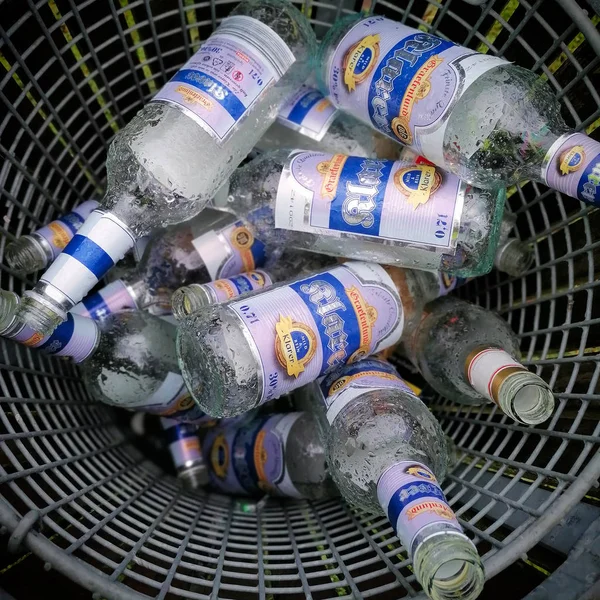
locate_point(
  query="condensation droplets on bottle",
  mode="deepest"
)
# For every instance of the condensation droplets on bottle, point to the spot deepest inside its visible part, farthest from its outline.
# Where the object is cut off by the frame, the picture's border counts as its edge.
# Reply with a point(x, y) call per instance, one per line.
point(173, 156)
point(480, 117)
point(387, 454)
point(404, 213)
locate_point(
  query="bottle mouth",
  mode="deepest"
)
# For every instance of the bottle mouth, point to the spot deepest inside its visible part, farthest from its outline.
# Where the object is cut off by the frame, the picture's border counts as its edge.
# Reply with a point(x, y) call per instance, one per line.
point(25, 255)
point(515, 258)
point(188, 300)
point(39, 315)
point(194, 477)
point(448, 567)
point(533, 403)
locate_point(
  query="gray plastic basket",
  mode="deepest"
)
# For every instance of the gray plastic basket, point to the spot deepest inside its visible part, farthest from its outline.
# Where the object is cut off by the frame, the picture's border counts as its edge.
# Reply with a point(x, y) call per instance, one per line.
point(79, 495)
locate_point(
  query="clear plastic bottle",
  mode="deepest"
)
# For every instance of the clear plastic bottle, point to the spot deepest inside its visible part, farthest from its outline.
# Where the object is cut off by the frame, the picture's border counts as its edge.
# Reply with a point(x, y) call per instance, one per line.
point(127, 360)
point(386, 453)
point(280, 455)
point(37, 250)
point(237, 355)
point(398, 213)
point(184, 446)
point(308, 120)
point(173, 156)
point(470, 355)
point(191, 298)
point(480, 117)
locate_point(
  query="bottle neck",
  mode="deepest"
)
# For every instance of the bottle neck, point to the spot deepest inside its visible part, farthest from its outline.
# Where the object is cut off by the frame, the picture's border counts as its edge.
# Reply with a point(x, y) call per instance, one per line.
point(498, 377)
point(514, 257)
point(9, 301)
point(76, 337)
point(117, 295)
point(189, 299)
point(570, 163)
point(446, 562)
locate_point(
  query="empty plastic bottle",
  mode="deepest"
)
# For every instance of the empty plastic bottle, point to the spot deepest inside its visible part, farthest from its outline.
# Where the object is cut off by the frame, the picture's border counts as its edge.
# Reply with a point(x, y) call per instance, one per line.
point(480, 117)
point(470, 355)
point(184, 446)
point(190, 298)
point(237, 355)
point(386, 454)
point(127, 360)
point(37, 250)
point(280, 455)
point(308, 120)
point(399, 213)
point(173, 156)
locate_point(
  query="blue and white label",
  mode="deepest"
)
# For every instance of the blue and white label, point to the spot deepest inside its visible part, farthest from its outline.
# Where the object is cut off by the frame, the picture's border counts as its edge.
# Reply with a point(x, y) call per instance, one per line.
point(413, 501)
point(228, 74)
point(350, 381)
point(400, 203)
point(114, 297)
point(102, 241)
point(308, 112)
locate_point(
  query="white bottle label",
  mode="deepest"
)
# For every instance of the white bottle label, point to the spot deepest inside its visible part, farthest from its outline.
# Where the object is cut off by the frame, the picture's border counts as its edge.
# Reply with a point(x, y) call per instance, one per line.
point(487, 369)
point(399, 203)
point(308, 112)
point(412, 499)
point(402, 81)
point(343, 385)
point(230, 251)
point(228, 74)
point(307, 328)
point(101, 242)
point(114, 297)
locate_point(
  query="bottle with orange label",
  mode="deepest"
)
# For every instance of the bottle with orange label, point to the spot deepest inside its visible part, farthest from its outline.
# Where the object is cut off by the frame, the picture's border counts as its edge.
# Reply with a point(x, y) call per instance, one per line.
point(239, 354)
point(308, 120)
point(184, 446)
point(470, 355)
point(127, 360)
point(214, 245)
point(387, 453)
point(191, 298)
point(405, 213)
point(37, 250)
point(280, 455)
point(484, 119)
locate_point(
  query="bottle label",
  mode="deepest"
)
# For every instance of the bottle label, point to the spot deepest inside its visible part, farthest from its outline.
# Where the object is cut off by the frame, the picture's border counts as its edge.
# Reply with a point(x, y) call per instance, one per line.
point(76, 337)
point(101, 242)
point(218, 449)
point(308, 112)
point(226, 289)
point(252, 456)
point(385, 201)
point(228, 74)
point(230, 251)
point(403, 81)
point(488, 368)
point(304, 329)
point(572, 166)
point(183, 441)
point(112, 298)
point(60, 232)
point(344, 384)
point(411, 497)
point(172, 399)
point(270, 456)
